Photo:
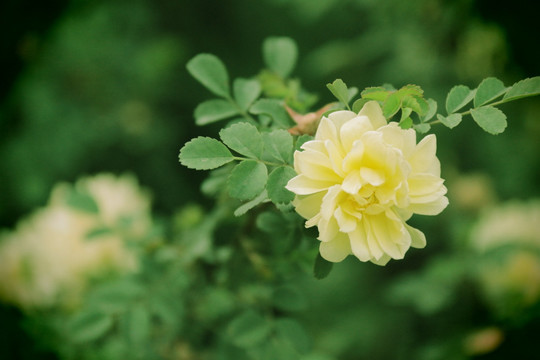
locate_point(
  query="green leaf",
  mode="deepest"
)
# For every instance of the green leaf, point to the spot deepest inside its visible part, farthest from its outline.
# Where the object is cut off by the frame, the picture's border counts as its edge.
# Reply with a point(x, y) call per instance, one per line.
point(248, 329)
point(139, 324)
point(359, 104)
point(214, 110)
point(243, 138)
point(458, 97)
point(416, 103)
point(278, 145)
point(322, 267)
point(302, 139)
point(204, 153)
point(273, 108)
point(339, 90)
point(246, 91)
point(411, 90)
point(431, 111)
point(488, 90)
point(82, 201)
point(280, 54)
point(406, 123)
point(247, 180)
point(279, 177)
point(244, 208)
point(391, 105)
point(490, 119)
point(352, 92)
point(523, 88)
point(89, 326)
point(375, 93)
point(422, 128)
point(450, 121)
point(210, 72)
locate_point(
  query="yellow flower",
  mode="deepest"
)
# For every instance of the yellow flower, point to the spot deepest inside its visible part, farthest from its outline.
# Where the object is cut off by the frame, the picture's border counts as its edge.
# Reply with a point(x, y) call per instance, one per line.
point(49, 258)
point(361, 179)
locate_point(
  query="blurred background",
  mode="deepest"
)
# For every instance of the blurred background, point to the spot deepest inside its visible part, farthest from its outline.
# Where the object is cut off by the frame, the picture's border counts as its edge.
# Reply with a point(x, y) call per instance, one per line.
point(89, 87)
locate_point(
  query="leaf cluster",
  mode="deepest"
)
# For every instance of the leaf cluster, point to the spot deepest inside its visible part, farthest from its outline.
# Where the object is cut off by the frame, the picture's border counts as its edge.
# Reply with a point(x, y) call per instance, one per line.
point(408, 100)
point(484, 101)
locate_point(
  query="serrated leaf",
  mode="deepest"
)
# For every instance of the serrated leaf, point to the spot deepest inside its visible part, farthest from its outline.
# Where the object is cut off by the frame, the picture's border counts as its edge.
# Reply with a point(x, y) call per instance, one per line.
point(458, 97)
point(273, 108)
point(278, 178)
point(322, 267)
point(247, 180)
point(278, 145)
point(204, 153)
point(490, 119)
point(391, 105)
point(359, 104)
point(411, 90)
point(375, 93)
point(339, 89)
point(523, 88)
point(86, 327)
point(488, 90)
point(243, 138)
point(246, 91)
point(210, 72)
point(422, 128)
point(417, 104)
point(244, 208)
point(248, 329)
point(450, 121)
point(280, 54)
point(214, 110)
point(431, 111)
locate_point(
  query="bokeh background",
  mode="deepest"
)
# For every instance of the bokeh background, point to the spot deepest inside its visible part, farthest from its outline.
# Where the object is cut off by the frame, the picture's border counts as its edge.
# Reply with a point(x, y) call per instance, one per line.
point(101, 86)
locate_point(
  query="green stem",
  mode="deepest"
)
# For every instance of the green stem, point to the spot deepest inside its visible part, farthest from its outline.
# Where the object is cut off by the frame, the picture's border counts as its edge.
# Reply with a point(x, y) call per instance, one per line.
point(434, 122)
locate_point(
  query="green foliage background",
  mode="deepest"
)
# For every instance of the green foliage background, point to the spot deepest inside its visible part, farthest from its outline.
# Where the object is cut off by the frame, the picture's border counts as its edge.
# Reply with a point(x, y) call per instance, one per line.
point(102, 86)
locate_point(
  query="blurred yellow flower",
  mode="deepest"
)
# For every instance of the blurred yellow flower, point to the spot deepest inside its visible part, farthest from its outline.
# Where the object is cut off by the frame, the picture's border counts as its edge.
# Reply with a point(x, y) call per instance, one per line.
point(361, 179)
point(508, 237)
point(50, 256)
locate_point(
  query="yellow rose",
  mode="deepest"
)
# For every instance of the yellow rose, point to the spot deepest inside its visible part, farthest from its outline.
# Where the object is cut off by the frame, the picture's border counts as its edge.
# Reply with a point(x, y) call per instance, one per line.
point(361, 179)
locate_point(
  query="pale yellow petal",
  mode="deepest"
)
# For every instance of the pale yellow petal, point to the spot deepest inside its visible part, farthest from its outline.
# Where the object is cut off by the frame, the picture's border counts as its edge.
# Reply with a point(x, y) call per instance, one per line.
point(390, 234)
point(372, 176)
point(352, 183)
point(339, 118)
point(373, 111)
point(326, 131)
point(346, 222)
point(418, 239)
point(359, 245)
point(423, 158)
point(353, 130)
point(432, 208)
point(381, 261)
point(328, 229)
point(404, 140)
point(302, 185)
point(308, 205)
point(315, 166)
point(336, 250)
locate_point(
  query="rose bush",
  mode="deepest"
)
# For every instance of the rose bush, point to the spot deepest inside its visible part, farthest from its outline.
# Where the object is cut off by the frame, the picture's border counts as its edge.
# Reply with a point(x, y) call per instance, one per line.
point(361, 179)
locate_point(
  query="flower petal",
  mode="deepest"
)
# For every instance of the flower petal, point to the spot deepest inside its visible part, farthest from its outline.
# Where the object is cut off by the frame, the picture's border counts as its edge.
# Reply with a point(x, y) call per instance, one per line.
point(336, 250)
point(308, 205)
point(373, 111)
point(353, 130)
point(302, 185)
